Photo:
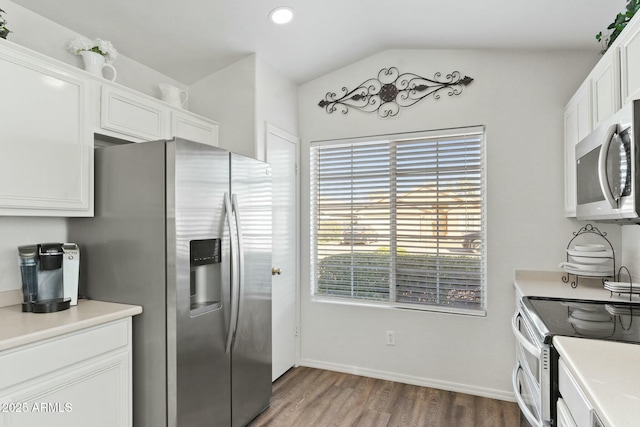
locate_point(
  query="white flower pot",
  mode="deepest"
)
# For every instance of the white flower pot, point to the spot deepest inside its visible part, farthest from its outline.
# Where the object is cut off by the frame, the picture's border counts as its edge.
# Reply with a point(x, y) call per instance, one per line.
point(95, 64)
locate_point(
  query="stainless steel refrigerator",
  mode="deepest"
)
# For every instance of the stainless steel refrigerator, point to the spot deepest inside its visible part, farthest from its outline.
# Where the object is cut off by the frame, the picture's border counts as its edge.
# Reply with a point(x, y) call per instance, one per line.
point(184, 230)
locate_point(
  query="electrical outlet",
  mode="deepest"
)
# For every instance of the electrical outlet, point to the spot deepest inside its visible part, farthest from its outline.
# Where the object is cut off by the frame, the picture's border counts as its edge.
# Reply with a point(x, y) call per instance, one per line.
point(391, 338)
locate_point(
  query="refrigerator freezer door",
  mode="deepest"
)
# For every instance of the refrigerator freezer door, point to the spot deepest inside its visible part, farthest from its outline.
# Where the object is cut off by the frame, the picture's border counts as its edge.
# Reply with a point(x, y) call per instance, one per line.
point(251, 350)
point(197, 285)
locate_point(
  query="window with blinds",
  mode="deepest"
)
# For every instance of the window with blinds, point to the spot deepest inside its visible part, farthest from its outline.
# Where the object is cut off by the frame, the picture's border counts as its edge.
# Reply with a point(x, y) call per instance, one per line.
point(399, 220)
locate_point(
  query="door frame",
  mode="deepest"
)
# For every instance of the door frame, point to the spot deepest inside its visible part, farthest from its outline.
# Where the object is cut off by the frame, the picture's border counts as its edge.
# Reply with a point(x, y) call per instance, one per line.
point(271, 129)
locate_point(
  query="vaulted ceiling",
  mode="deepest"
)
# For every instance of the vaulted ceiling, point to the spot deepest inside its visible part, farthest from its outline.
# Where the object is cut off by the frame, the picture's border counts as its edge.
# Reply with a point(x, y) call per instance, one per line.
point(190, 39)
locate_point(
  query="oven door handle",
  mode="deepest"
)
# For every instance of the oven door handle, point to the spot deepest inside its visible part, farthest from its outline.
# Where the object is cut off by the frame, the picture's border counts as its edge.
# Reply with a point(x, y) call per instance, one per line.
point(521, 403)
point(522, 339)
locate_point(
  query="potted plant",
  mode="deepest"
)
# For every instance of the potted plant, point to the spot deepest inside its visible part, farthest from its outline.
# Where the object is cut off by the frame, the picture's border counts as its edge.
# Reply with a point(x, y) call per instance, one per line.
point(96, 55)
point(621, 21)
point(4, 31)
point(102, 47)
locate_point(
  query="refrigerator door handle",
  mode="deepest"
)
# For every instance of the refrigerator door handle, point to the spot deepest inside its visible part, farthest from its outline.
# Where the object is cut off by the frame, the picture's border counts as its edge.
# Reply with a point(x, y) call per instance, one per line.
point(240, 290)
point(234, 268)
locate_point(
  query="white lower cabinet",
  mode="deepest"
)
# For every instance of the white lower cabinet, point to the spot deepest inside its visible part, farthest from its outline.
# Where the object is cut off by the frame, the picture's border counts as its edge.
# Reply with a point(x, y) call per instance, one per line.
point(77, 380)
point(564, 418)
point(578, 408)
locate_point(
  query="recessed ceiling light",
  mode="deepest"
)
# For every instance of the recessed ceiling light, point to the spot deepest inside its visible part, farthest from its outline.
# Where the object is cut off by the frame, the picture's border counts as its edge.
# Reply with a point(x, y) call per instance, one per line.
point(281, 15)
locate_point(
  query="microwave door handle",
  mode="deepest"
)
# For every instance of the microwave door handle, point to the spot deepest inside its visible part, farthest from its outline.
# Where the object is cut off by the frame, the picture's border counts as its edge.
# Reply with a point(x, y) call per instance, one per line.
point(602, 167)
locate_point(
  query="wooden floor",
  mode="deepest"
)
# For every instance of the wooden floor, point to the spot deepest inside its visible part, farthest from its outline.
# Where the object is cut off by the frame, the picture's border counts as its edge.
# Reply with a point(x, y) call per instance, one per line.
point(305, 397)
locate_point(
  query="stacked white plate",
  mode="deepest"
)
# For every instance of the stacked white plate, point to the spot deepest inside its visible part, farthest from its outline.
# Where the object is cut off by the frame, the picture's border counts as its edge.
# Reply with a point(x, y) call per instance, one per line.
point(589, 260)
point(622, 287)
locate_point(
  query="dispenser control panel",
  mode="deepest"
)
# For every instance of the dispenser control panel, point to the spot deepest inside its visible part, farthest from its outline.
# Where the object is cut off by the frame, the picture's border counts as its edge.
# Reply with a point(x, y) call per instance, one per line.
point(203, 252)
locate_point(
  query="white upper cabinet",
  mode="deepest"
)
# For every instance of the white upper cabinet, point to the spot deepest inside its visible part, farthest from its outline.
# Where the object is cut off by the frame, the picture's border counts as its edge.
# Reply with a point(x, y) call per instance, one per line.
point(613, 82)
point(629, 45)
point(47, 141)
point(50, 112)
point(577, 124)
point(188, 126)
point(132, 114)
point(605, 82)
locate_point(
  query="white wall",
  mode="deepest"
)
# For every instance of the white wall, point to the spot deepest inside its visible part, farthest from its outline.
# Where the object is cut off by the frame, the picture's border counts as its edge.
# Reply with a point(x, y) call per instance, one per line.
point(276, 103)
point(520, 97)
point(631, 251)
point(228, 97)
point(44, 36)
point(242, 98)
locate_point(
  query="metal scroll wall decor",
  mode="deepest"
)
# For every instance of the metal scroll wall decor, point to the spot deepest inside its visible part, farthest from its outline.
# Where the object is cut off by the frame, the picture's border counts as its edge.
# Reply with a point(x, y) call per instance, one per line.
point(391, 91)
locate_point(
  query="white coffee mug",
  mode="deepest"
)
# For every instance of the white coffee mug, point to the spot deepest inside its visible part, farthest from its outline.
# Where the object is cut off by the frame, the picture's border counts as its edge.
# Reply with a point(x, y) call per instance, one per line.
point(173, 95)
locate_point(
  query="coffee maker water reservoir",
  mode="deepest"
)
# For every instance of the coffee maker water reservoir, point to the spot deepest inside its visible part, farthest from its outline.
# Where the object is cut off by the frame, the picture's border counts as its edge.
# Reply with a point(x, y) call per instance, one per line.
point(48, 283)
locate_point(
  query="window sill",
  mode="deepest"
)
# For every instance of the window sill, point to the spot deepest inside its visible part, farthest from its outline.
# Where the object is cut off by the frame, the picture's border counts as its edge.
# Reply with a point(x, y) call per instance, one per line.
point(400, 306)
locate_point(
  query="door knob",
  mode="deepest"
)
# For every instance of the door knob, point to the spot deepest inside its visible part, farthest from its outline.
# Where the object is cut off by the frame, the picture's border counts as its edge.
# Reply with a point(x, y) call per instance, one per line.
point(275, 271)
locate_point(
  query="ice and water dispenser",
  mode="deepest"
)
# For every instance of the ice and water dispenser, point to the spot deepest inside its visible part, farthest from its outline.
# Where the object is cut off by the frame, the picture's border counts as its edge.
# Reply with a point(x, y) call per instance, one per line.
point(205, 283)
point(49, 276)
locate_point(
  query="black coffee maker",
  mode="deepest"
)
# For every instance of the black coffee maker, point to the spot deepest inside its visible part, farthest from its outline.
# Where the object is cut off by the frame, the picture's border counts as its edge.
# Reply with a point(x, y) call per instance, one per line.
point(42, 270)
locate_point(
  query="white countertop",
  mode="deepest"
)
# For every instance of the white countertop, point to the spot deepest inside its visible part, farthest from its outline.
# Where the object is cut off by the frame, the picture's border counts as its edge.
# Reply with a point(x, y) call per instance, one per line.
point(609, 374)
point(18, 328)
point(550, 284)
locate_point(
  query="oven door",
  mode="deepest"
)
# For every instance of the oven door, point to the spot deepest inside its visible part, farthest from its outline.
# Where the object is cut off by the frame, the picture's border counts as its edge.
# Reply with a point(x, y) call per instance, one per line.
point(530, 377)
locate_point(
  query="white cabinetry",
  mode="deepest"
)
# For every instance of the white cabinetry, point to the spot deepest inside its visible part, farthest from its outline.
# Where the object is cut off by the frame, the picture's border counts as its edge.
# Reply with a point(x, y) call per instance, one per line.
point(573, 399)
point(188, 126)
point(77, 380)
point(577, 125)
point(47, 142)
point(629, 45)
point(134, 115)
point(130, 115)
point(564, 418)
point(50, 112)
point(605, 84)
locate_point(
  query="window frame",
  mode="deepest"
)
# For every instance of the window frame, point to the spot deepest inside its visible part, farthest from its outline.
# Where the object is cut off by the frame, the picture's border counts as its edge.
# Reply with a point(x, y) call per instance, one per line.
point(478, 130)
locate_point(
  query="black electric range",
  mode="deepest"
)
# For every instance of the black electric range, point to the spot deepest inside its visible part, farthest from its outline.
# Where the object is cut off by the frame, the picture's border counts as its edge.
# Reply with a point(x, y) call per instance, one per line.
point(603, 320)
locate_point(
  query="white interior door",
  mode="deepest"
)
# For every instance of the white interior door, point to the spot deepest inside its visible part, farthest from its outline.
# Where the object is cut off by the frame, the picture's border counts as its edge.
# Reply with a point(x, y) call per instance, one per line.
point(282, 153)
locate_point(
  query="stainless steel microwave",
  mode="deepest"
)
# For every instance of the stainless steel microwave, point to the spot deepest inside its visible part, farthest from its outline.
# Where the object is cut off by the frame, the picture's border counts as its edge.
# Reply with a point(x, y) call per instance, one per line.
point(607, 169)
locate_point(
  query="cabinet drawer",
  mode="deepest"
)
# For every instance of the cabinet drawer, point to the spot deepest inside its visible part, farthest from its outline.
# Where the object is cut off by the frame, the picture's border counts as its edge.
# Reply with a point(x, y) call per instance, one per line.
point(132, 115)
point(35, 360)
point(573, 397)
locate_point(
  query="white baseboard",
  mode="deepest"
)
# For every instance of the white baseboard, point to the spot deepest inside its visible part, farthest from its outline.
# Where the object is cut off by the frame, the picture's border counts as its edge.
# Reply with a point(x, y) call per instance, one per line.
point(409, 379)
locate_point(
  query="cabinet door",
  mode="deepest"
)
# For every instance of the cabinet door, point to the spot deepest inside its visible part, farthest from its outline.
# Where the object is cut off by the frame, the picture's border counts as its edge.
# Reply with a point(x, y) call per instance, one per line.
point(78, 379)
point(564, 415)
point(95, 394)
point(605, 80)
point(577, 404)
point(131, 114)
point(630, 61)
point(46, 144)
point(577, 125)
point(194, 128)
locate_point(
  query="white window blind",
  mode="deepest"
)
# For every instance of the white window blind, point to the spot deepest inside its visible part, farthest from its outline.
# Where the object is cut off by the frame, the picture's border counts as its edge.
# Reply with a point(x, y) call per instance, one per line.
point(400, 221)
